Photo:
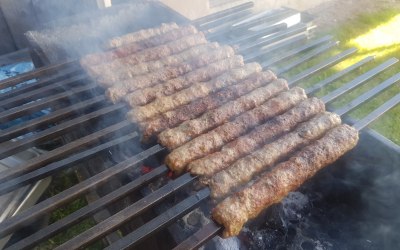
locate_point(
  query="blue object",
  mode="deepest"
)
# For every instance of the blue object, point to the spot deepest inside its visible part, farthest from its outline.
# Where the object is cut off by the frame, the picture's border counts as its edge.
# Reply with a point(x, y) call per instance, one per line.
point(14, 70)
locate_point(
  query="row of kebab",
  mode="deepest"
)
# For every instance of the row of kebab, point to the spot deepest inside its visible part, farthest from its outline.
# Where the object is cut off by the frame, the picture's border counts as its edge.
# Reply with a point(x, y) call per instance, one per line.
point(243, 131)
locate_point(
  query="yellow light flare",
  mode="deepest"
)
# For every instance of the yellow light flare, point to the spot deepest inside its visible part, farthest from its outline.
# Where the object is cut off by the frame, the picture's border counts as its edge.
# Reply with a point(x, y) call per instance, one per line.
point(384, 35)
point(380, 41)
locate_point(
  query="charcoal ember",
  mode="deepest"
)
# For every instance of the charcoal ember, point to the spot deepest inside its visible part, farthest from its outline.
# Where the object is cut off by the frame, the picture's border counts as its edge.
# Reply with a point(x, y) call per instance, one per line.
point(293, 206)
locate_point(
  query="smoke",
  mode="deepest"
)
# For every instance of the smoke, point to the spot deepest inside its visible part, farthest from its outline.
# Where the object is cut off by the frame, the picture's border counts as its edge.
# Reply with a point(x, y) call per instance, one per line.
point(73, 36)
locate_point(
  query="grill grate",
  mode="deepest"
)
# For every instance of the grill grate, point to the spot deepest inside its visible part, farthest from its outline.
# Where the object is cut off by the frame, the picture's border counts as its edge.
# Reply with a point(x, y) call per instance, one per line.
point(57, 85)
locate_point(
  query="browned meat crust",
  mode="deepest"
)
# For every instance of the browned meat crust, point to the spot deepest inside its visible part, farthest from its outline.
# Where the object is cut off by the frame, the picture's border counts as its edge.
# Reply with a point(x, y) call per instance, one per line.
point(120, 90)
point(127, 49)
point(215, 139)
point(117, 71)
point(196, 91)
point(273, 186)
point(184, 113)
point(154, 53)
point(228, 180)
point(175, 137)
point(140, 35)
point(213, 163)
point(208, 66)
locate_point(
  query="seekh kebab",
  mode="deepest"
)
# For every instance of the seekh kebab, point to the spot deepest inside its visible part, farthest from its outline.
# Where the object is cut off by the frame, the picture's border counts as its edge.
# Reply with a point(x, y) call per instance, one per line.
point(246, 144)
point(192, 110)
point(197, 90)
point(286, 177)
point(209, 142)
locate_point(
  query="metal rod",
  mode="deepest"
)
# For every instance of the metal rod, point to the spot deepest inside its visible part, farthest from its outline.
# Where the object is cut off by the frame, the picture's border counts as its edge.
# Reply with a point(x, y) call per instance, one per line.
point(45, 171)
point(30, 108)
point(63, 151)
point(160, 221)
point(242, 15)
point(223, 13)
point(200, 237)
point(31, 214)
point(314, 53)
point(278, 36)
point(45, 121)
point(267, 20)
point(93, 207)
point(359, 80)
point(323, 65)
point(127, 214)
point(53, 78)
point(295, 51)
point(367, 95)
point(11, 147)
point(37, 93)
point(9, 82)
point(273, 47)
point(256, 35)
point(377, 112)
point(339, 75)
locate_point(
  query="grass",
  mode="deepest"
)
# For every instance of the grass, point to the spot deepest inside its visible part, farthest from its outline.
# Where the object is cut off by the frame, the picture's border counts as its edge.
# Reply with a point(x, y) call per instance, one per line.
point(372, 34)
point(61, 182)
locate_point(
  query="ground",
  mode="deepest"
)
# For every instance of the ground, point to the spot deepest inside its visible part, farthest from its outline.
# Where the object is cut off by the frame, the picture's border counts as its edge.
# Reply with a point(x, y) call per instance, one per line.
point(337, 12)
point(373, 27)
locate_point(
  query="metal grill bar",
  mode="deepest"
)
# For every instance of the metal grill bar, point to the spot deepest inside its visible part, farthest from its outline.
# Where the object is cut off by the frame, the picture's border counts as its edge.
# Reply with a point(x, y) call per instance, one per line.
point(230, 19)
point(63, 151)
point(58, 166)
point(359, 80)
point(29, 215)
point(259, 34)
point(12, 147)
point(339, 75)
point(295, 51)
point(267, 20)
point(40, 92)
point(88, 210)
point(161, 221)
point(377, 112)
point(200, 237)
point(278, 36)
point(47, 80)
point(314, 53)
point(368, 95)
point(223, 13)
point(115, 221)
point(44, 121)
point(30, 108)
point(35, 73)
point(276, 46)
point(323, 65)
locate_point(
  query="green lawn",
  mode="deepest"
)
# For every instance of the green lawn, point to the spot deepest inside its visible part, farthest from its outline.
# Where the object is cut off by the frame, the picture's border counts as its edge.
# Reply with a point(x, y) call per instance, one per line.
point(373, 34)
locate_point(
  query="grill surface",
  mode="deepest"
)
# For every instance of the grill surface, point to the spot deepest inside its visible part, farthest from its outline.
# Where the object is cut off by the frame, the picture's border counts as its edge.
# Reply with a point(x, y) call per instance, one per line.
point(79, 106)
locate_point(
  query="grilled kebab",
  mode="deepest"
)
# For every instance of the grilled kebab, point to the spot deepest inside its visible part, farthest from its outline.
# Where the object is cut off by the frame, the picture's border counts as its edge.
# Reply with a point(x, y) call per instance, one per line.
point(154, 53)
point(116, 71)
point(134, 47)
point(140, 35)
point(286, 177)
point(211, 69)
point(120, 90)
point(197, 90)
point(192, 110)
point(228, 179)
point(215, 139)
point(229, 153)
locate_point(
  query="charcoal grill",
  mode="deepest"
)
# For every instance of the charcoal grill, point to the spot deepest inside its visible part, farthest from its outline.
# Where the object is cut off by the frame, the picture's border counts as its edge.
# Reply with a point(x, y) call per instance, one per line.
point(105, 148)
